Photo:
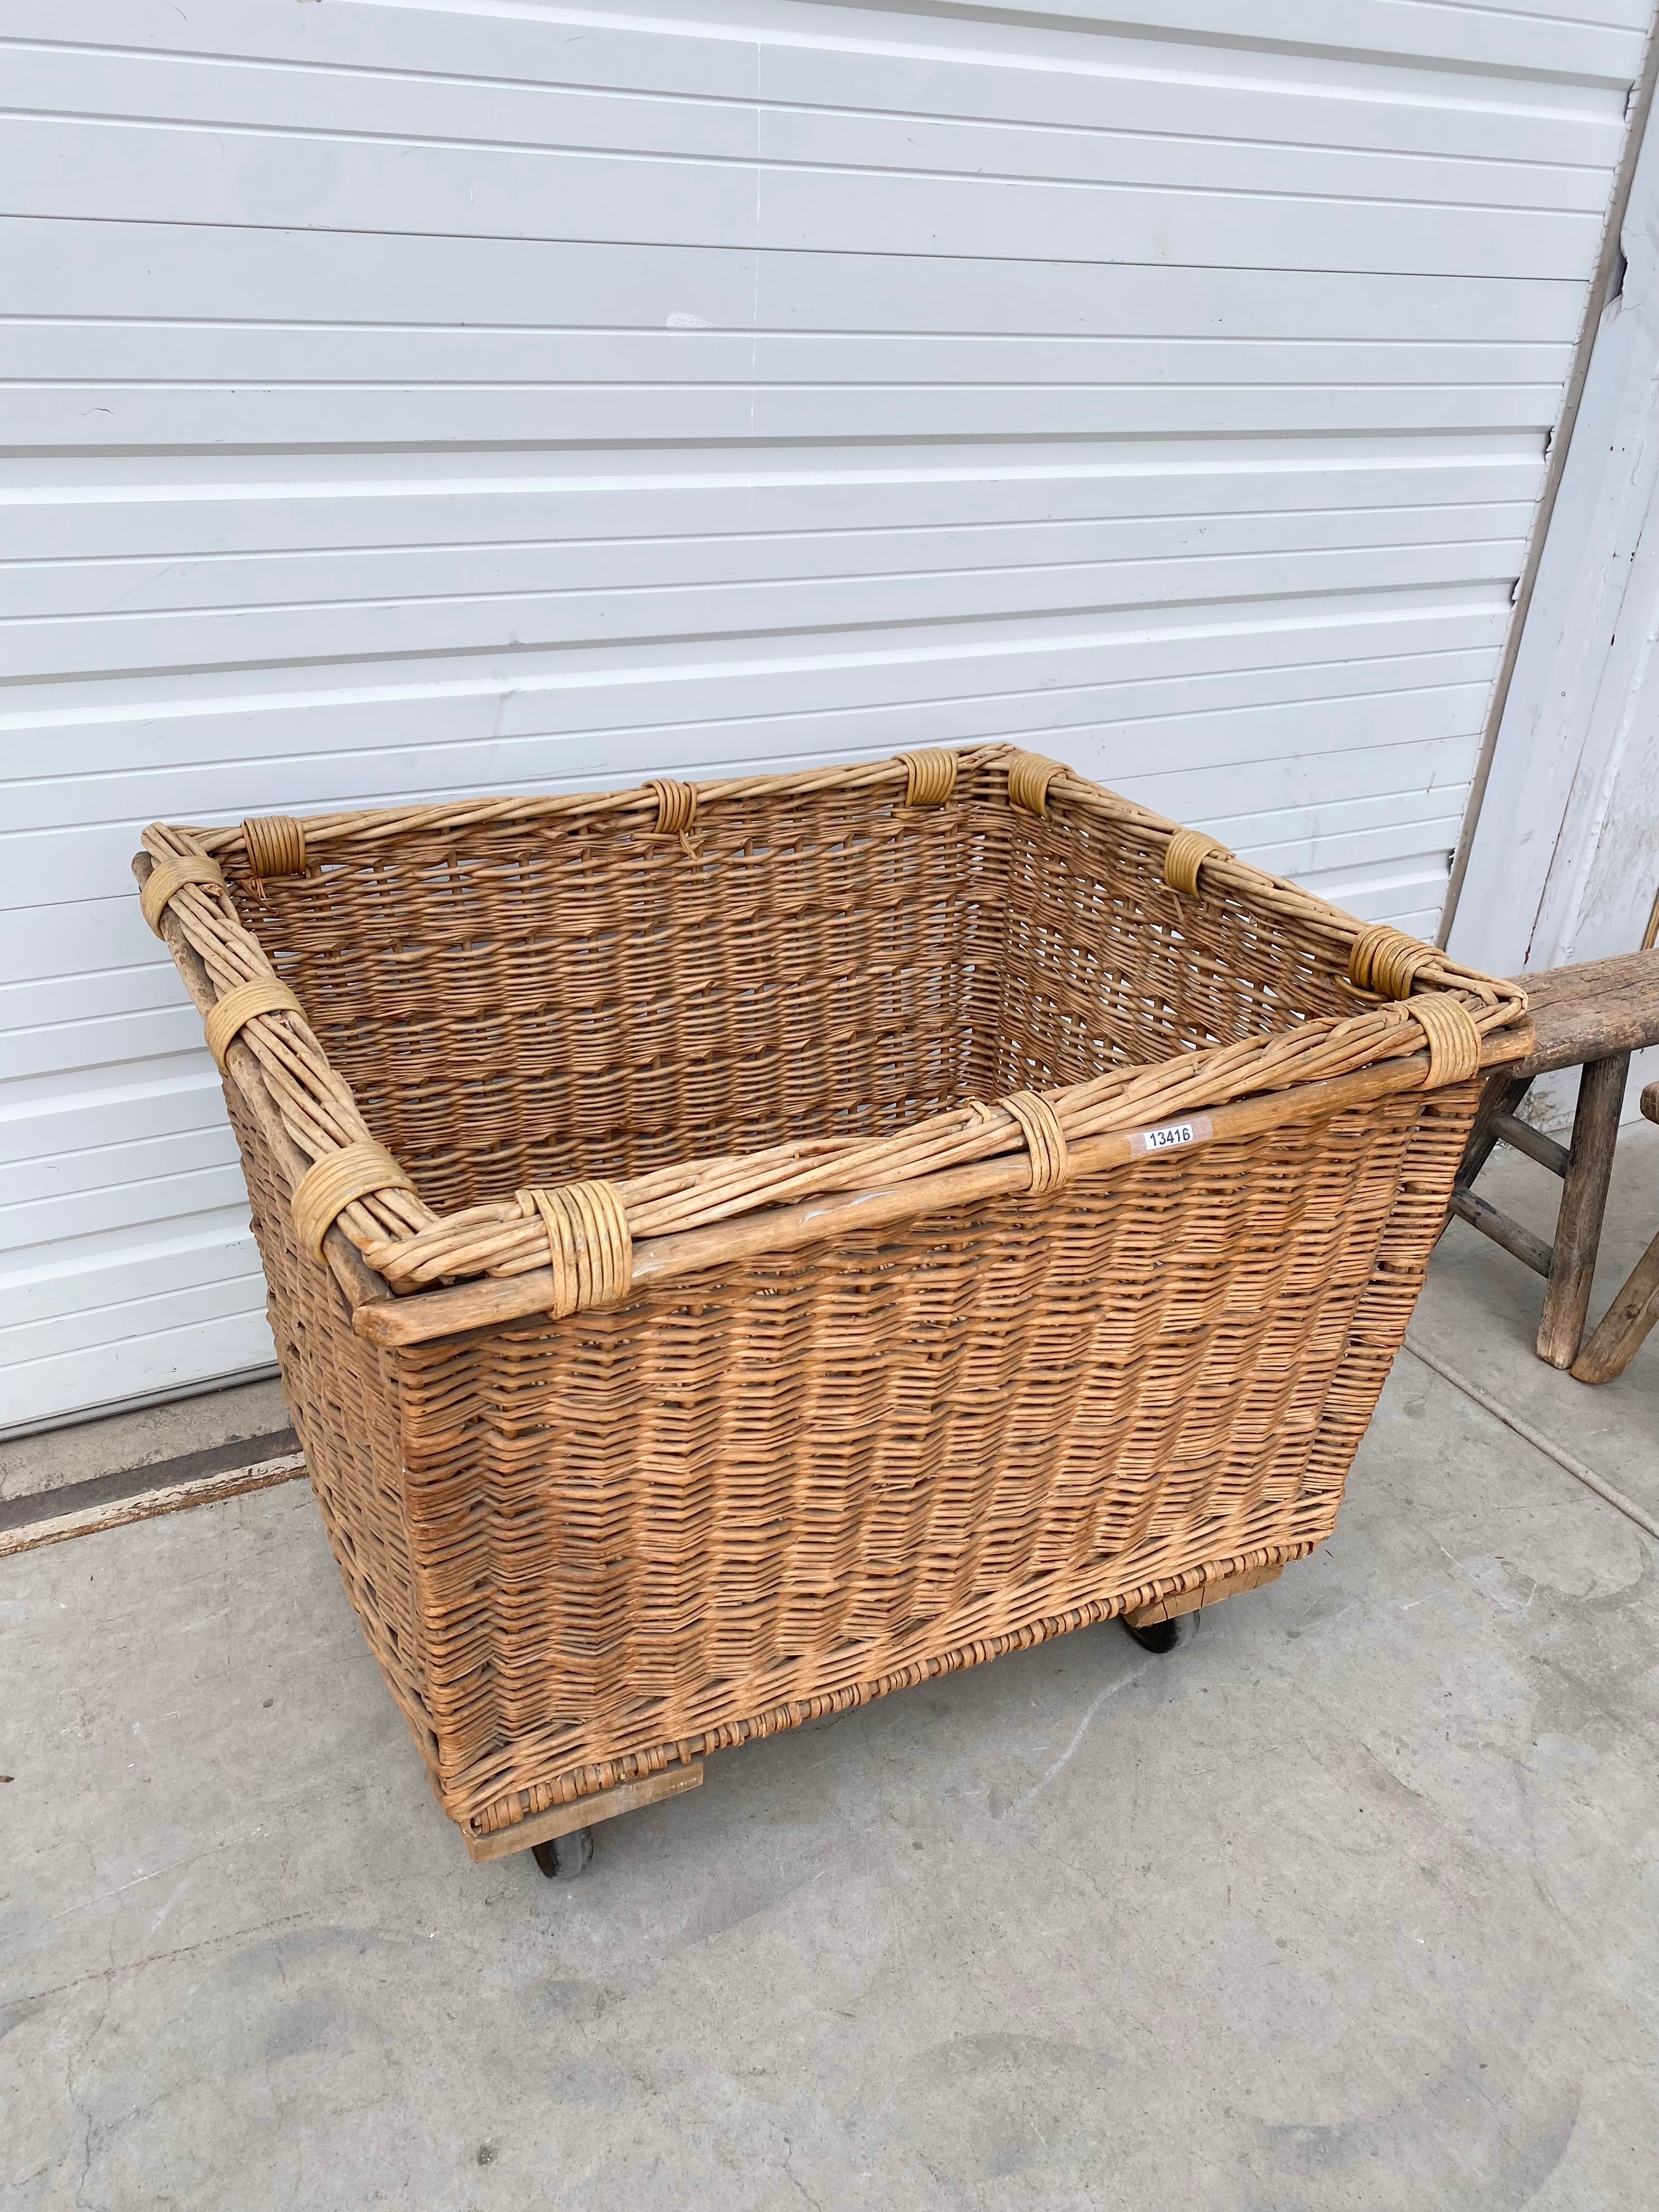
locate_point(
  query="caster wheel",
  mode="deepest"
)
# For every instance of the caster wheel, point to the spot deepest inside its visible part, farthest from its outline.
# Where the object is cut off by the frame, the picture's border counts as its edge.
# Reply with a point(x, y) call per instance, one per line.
point(562, 1857)
point(1163, 1635)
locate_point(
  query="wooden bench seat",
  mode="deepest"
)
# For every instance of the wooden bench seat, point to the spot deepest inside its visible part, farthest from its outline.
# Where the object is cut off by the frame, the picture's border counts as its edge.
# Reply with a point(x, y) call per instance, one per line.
point(1590, 1011)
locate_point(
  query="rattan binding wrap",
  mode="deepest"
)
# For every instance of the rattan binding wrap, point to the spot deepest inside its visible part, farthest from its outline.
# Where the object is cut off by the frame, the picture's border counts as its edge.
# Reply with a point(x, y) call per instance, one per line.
point(1029, 778)
point(331, 1183)
point(230, 1015)
point(676, 808)
point(590, 1251)
point(1045, 1140)
point(931, 778)
point(276, 845)
point(1185, 854)
point(169, 878)
point(671, 1483)
point(1453, 1041)
point(1387, 961)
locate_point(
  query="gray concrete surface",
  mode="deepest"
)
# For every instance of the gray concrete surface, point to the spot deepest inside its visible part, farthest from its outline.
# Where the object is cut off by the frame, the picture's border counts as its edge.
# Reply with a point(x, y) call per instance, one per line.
point(30, 1466)
point(1349, 1904)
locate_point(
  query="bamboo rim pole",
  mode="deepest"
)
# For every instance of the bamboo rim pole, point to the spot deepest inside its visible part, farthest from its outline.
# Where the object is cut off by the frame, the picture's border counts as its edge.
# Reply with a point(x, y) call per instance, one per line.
point(421, 1317)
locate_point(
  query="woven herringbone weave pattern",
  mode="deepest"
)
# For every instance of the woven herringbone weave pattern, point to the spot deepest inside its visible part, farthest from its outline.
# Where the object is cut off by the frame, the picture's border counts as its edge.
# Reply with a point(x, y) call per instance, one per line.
point(788, 1479)
point(846, 1463)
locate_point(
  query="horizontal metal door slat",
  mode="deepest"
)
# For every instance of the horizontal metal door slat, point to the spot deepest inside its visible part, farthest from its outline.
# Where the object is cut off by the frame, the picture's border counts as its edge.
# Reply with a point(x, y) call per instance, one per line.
point(1594, 41)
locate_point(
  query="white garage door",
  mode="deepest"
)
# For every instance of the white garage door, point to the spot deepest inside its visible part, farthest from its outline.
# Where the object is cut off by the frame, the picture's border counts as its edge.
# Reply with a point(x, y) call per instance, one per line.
point(410, 399)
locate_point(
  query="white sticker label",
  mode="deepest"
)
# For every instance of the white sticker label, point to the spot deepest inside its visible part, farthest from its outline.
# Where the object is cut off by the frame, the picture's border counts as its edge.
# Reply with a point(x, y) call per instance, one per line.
point(1170, 1136)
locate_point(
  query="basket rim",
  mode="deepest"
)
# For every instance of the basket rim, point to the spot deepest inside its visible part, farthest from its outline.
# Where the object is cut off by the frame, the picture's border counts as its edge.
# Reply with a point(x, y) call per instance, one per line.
point(364, 1214)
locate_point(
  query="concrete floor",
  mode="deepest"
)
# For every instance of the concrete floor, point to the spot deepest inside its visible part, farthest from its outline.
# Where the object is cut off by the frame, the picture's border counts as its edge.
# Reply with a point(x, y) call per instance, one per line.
point(56, 1458)
point(1349, 1904)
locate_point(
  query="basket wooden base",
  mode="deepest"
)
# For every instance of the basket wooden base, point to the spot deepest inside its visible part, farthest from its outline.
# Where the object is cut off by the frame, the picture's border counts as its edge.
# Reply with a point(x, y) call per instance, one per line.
point(584, 1812)
point(1203, 1594)
point(672, 1781)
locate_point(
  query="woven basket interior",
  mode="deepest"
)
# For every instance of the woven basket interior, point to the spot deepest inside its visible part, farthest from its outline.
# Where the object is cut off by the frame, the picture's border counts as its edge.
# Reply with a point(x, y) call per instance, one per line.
point(532, 1001)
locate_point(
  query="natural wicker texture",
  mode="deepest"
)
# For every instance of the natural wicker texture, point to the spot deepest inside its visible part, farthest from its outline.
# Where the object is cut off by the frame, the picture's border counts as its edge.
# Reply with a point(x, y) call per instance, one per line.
point(847, 1470)
point(389, 933)
point(655, 1516)
point(346, 1412)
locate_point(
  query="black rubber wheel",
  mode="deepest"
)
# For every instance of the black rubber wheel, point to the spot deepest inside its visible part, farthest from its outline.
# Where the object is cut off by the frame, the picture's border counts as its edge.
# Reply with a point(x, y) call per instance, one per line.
point(1163, 1635)
point(561, 1858)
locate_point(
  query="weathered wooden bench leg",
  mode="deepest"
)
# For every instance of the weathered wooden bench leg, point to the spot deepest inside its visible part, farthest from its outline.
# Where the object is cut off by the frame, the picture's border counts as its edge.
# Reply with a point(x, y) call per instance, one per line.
point(1622, 1328)
point(1583, 1202)
point(1619, 1334)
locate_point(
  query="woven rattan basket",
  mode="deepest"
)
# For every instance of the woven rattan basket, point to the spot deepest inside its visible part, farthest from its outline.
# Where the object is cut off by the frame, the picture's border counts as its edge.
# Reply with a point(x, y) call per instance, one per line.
point(738, 1248)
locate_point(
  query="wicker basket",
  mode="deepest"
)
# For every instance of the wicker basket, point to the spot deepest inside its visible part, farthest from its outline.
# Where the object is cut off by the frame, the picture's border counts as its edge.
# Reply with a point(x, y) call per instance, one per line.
point(738, 1248)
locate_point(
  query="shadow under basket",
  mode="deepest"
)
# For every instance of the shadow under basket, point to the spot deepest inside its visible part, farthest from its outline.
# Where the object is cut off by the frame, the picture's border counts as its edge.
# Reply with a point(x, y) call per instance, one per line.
point(738, 1249)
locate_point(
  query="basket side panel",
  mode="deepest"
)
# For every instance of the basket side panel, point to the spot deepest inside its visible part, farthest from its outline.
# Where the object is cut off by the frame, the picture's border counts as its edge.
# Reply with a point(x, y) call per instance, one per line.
point(1102, 965)
point(515, 1003)
point(1414, 1226)
point(646, 1533)
point(345, 1412)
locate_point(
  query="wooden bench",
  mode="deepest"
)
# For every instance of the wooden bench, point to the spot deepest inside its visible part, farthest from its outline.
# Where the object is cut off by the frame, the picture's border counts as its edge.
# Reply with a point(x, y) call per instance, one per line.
point(1592, 1017)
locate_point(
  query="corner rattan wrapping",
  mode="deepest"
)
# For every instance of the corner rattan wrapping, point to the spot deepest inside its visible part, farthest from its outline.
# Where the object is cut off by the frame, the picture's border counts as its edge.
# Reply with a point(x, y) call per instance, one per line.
point(757, 1480)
